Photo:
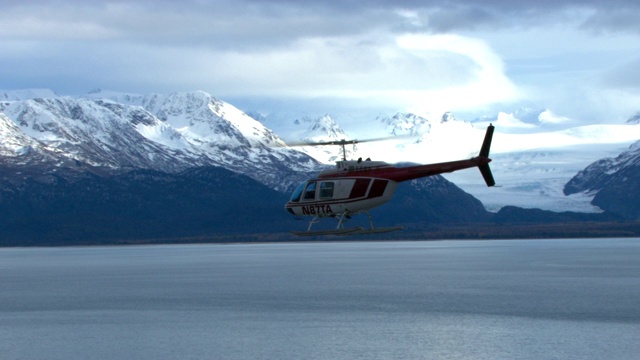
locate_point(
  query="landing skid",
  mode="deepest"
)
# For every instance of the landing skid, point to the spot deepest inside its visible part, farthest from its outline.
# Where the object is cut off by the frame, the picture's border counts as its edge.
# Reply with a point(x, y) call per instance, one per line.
point(376, 230)
point(347, 231)
point(340, 230)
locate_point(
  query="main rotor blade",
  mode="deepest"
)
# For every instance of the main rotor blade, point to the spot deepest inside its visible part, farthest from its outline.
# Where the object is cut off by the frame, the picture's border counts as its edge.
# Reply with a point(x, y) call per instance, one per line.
point(347, 142)
point(317, 143)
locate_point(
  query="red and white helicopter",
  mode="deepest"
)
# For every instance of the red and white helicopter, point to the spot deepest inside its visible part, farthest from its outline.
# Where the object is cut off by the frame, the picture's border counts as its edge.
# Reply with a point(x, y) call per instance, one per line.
point(357, 186)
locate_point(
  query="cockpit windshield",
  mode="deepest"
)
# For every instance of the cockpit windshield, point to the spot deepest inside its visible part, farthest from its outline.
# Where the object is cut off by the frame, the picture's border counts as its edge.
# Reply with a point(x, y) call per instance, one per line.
point(310, 191)
point(295, 197)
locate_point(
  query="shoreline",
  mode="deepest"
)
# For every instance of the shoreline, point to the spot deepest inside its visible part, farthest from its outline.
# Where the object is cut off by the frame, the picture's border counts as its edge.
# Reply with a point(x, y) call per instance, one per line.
point(412, 232)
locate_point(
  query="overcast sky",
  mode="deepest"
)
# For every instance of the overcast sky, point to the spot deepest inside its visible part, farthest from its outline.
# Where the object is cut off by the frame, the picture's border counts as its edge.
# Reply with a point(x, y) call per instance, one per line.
point(580, 59)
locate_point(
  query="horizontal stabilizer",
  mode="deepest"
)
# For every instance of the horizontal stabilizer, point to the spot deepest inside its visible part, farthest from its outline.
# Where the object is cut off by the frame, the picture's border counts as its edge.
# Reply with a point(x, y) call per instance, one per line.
point(485, 170)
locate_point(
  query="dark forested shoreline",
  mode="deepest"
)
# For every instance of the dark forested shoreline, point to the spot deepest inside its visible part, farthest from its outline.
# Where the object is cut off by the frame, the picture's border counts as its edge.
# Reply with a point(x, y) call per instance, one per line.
point(483, 231)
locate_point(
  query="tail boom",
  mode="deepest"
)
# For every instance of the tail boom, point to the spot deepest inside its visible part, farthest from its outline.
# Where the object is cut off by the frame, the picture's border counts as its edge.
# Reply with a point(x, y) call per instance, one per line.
point(481, 162)
point(400, 174)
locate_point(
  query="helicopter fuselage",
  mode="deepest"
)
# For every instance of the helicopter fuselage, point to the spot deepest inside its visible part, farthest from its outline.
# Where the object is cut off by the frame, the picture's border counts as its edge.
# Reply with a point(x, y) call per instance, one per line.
point(323, 197)
point(359, 186)
point(356, 186)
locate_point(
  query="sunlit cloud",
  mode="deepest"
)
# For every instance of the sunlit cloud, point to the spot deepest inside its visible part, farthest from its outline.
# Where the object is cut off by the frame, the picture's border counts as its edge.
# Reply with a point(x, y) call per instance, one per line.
point(427, 72)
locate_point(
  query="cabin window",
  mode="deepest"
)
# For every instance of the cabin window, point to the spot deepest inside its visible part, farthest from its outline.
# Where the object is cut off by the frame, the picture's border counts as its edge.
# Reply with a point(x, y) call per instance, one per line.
point(310, 191)
point(326, 189)
point(359, 189)
point(378, 187)
point(295, 197)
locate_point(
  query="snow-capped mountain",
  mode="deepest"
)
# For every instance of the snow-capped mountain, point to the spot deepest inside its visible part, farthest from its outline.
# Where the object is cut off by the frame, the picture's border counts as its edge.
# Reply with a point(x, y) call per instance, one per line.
point(300, 129)
point(15, 142)
point(23, 157)
point(97, 133)
point(19, 95)
point(408, 137)
point(323, 129)
point(411, 125)
point(18, 149)
point(406, 124)
point(612, 182)
point(535, 152)
point(161, 132)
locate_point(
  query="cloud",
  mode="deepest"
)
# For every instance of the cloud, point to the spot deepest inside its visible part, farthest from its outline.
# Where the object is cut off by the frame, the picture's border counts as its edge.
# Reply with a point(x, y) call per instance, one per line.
point(440, 72)
point(614, 18)
point(625, 76)
point(464, 54)
point(252, 22)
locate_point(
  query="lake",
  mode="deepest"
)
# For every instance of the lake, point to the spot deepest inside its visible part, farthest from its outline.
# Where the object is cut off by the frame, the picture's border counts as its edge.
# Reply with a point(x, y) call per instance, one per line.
point(493, 299)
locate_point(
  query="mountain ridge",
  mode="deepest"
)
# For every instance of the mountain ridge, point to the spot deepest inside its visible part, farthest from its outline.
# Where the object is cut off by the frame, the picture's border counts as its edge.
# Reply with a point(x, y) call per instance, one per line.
point(105, 136)
point(103, 133)
point(613, 183)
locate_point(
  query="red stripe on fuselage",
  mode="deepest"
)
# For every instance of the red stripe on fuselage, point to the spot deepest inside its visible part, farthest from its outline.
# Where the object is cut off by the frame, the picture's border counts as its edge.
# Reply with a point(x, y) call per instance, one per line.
point(400, 174)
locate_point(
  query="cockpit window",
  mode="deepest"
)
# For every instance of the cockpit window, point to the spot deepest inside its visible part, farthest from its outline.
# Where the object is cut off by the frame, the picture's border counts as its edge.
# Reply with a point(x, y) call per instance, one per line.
point(326, 189)
point(295, 197)
point(310, 191)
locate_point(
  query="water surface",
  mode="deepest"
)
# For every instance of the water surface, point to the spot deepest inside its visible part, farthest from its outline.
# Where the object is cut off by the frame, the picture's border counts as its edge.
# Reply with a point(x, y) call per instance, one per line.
point(520, 299)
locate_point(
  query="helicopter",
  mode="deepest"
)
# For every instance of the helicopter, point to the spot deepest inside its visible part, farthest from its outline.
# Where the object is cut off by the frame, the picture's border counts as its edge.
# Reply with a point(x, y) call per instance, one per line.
point(357, 186)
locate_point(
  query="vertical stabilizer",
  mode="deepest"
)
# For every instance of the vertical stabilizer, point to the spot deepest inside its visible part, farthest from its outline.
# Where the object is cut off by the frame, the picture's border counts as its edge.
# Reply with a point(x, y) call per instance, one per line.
point(485, 170)
point(486, 144)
